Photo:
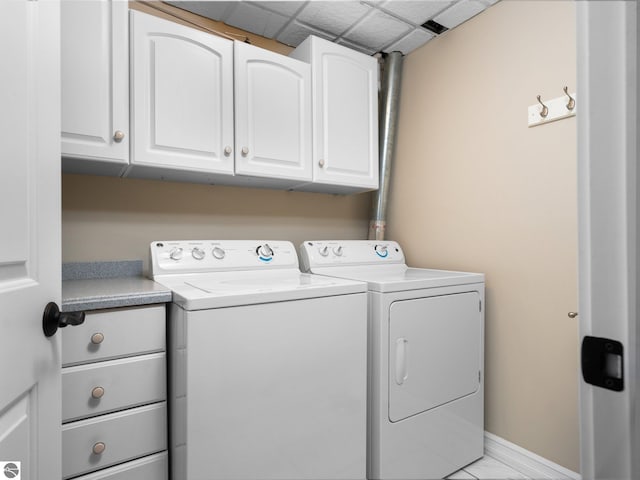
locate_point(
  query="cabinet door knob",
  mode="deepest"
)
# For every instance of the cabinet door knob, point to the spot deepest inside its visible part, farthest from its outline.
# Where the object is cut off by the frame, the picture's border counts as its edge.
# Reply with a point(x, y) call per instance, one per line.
point(97, 338)
point(227, 151)
point(245, 151)
point(98, 448)
point(321, 163)
point(97, 392)
point(118, 136)
point(572, 314)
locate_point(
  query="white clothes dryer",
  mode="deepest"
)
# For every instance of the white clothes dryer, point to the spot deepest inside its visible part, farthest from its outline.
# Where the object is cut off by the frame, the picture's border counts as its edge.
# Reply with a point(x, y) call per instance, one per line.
point(426, 379)
point(267, 365)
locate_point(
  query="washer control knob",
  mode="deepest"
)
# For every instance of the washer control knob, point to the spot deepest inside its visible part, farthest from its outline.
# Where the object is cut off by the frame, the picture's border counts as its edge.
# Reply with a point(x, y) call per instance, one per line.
point(265, 251)
point(381, 250)
point(197, 253)
point(175, 253)
point(324, 251)
point(218, 253)
point(337, 251)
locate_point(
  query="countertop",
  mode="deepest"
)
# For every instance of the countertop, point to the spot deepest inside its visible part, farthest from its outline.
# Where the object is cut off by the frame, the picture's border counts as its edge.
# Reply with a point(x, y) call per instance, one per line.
point(99, 285)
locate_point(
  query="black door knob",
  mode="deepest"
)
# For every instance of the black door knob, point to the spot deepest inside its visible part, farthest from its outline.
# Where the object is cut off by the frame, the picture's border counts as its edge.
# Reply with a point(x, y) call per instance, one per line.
point(54, 318)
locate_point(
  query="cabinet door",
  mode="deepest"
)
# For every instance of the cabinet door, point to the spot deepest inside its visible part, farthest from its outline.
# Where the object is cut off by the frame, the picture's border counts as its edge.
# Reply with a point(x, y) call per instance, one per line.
point(345, 84)
point(182, 105)
point(273, 114)
point(95, 85)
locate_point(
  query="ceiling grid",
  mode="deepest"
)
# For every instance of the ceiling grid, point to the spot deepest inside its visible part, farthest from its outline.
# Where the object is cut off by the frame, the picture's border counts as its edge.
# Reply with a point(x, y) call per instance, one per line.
point(369, 26)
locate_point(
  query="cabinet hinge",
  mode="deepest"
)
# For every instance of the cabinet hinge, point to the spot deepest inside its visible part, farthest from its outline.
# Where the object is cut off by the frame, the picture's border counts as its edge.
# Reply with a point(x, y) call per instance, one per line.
point(479, 376)
point(479, 305)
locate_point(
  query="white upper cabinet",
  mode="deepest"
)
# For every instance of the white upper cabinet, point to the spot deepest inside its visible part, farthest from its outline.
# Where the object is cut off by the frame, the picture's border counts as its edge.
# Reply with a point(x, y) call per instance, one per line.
point(182, 101)
point(345, 117)
point(273, 115)
point(95, 86)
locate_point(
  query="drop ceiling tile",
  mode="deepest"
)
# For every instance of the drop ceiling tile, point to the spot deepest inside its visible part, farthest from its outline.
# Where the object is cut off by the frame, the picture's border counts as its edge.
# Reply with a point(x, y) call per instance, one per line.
point(288, 9)
point(296, 32)
point(355, 46)
point(333, 17)
point(213, 10)
point(459, 13)
point(256, 20)
point(377, 30)
point(414, 12)
point(410, 42)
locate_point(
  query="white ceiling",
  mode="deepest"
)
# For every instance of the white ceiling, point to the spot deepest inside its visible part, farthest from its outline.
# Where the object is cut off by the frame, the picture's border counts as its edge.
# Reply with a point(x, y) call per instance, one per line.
point(369, 26)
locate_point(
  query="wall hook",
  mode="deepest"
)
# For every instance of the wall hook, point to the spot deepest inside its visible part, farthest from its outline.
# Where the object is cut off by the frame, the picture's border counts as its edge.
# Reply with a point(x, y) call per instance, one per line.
point(572, 103)
point(545, 111)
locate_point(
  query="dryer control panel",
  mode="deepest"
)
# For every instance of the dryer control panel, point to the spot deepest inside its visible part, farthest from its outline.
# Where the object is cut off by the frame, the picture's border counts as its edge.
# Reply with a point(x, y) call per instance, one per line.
point(327, 253)
point(199, 256)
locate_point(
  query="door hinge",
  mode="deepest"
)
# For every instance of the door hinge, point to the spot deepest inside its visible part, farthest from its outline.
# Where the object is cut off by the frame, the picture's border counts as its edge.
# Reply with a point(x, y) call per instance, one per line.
point(479, 305)
point(479, 376)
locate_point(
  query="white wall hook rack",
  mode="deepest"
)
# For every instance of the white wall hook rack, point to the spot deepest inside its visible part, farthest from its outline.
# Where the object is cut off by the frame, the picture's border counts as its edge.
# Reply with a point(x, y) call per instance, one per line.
point(557, 109)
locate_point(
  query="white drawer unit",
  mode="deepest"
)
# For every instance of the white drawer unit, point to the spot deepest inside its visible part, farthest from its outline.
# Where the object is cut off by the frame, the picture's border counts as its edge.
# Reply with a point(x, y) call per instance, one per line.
point(104, 387)
point(108, 334)
point(114, 391)
point(153, 467)
point(110, 439)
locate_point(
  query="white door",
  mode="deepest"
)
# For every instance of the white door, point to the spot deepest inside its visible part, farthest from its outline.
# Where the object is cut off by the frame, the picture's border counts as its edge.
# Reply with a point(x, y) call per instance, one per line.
point(29, 235)
point(608, 238)
point(427, 370)
point(95, 84)
point(273, 114)
point(182, 105)
point(345, 116)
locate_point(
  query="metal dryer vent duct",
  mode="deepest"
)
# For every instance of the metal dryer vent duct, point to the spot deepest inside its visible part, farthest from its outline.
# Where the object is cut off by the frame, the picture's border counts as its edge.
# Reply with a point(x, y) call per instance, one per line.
point(388, 125)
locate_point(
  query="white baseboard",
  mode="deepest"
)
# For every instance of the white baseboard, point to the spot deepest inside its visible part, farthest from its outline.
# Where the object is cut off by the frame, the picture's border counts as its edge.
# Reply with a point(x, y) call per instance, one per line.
point(524, 461)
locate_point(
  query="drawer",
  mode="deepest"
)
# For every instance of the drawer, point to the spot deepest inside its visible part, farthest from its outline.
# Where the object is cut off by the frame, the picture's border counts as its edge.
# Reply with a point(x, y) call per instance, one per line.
point(107, 334)
point(153, 467)
point(123, 383)
point(126, 436)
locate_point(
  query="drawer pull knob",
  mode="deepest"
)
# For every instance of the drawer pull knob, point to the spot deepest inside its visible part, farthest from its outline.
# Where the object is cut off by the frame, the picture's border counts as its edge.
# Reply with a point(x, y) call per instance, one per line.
point(97, 392)
point(97, 338)
point(98, 448)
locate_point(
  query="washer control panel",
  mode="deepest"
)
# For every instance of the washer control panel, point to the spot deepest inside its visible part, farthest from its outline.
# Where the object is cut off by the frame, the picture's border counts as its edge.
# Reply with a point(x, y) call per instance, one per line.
point(194, 256)
point(326, 253)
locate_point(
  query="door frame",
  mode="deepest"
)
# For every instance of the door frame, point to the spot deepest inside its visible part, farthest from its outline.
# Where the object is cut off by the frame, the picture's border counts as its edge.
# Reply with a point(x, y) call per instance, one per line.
point(608, 205)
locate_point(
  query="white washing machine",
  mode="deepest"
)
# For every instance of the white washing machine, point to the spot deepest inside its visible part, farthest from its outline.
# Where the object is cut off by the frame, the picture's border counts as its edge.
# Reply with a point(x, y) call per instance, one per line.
point(426, 336)
point(267, 364)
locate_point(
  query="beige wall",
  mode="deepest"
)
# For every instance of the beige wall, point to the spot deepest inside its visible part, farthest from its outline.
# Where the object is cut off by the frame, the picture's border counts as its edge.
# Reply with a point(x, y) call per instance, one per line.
point(105, 218)
point(475, 189)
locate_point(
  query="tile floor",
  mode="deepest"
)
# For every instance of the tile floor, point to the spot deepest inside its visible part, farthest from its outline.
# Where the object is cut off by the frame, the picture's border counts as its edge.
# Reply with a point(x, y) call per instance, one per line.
point(487, 468)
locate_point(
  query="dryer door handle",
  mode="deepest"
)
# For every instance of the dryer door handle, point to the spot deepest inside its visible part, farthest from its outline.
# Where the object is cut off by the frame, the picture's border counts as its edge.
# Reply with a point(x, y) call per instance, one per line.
point(402, 344)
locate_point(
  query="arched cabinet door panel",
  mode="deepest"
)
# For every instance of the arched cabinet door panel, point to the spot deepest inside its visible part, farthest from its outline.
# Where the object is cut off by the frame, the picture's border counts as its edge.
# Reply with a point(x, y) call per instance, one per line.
point(273, 114)
point(182, 97)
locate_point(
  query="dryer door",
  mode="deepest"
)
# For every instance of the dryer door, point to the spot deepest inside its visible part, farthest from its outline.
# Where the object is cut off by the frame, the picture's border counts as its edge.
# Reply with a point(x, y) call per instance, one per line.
point(435, 348)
